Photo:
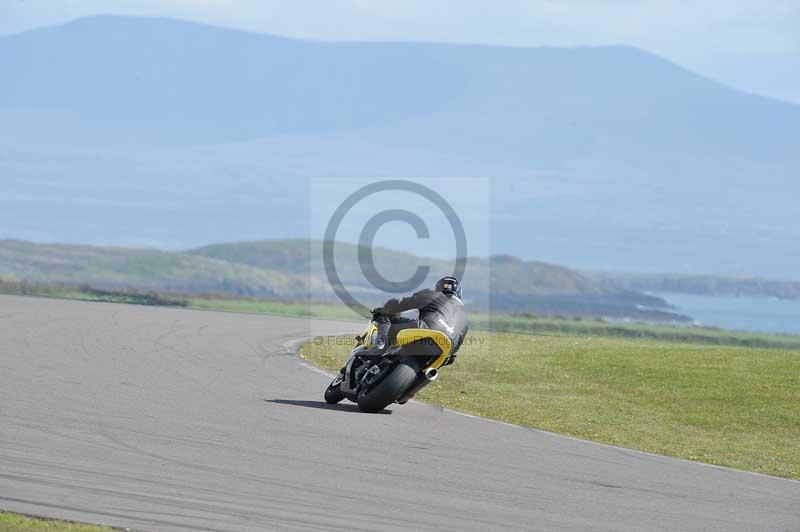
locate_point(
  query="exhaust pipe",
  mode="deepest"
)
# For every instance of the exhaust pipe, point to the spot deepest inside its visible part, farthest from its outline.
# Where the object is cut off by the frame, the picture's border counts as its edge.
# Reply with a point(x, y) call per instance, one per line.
point(425, 379)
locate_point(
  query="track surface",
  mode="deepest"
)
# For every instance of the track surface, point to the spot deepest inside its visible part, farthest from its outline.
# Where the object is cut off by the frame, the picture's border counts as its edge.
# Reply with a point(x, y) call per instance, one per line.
point(161, 419)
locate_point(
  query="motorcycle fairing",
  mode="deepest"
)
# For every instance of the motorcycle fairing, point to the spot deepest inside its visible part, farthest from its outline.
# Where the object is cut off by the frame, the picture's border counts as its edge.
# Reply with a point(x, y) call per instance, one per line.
point(428, 337)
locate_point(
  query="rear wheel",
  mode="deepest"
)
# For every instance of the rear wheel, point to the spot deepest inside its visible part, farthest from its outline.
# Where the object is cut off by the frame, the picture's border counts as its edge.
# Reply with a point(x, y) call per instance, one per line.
point(334, 394)
point(386, 392)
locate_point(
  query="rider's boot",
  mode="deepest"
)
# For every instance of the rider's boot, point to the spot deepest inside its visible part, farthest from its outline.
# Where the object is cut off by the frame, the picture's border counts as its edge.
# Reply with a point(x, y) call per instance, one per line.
point(383, 332)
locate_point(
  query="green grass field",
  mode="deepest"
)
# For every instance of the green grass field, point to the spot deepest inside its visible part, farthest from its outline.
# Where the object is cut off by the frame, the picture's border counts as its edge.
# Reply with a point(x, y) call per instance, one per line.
point(725, 405)
point(19, 523)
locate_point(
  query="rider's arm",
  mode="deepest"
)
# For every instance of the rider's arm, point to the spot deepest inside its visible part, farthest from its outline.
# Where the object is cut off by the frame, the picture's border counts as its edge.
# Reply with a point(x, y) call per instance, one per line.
point(415, 301)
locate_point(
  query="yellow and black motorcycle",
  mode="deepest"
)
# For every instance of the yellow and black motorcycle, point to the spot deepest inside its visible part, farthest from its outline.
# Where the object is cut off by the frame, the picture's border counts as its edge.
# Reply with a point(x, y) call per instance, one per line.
point(377, 377)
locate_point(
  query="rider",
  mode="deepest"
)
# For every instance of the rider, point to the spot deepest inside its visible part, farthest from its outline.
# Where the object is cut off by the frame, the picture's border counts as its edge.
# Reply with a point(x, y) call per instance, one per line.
point(439, 308)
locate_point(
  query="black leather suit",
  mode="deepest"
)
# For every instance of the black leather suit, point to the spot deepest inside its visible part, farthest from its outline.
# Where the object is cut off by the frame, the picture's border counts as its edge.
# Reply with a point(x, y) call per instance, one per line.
point(439, 311)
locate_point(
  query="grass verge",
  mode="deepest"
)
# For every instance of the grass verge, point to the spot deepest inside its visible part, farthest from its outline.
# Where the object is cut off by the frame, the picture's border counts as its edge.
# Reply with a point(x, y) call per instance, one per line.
point(531, 324)
point(518, 323)
point(19, 523)
point(724, 405)
point(277, 308)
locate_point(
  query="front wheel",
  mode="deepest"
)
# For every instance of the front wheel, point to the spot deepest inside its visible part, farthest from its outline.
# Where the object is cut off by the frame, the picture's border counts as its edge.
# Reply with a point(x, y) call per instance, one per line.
point(334, 394)
point(387, 391)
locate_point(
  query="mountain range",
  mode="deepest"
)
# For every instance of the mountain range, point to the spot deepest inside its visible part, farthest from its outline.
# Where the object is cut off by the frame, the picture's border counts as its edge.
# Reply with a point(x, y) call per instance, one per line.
point(157, 132)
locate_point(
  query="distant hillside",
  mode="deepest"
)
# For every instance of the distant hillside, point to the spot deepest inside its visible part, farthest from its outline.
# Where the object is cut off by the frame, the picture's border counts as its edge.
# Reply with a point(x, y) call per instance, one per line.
point(500, 274)
point(156, 132)
point(144, 269)
point(293, 269)
point(711, 285)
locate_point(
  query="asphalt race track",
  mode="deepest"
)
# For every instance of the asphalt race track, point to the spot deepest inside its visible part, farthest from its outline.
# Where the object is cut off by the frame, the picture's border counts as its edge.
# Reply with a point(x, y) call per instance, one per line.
point(165, 419)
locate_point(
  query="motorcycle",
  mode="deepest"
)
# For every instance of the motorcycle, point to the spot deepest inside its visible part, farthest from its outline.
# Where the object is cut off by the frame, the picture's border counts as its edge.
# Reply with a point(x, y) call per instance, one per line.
point(375, 377)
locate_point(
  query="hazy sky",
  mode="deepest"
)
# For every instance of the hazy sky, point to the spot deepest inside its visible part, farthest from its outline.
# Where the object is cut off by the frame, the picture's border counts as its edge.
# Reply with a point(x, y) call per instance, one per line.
point(749, 44)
